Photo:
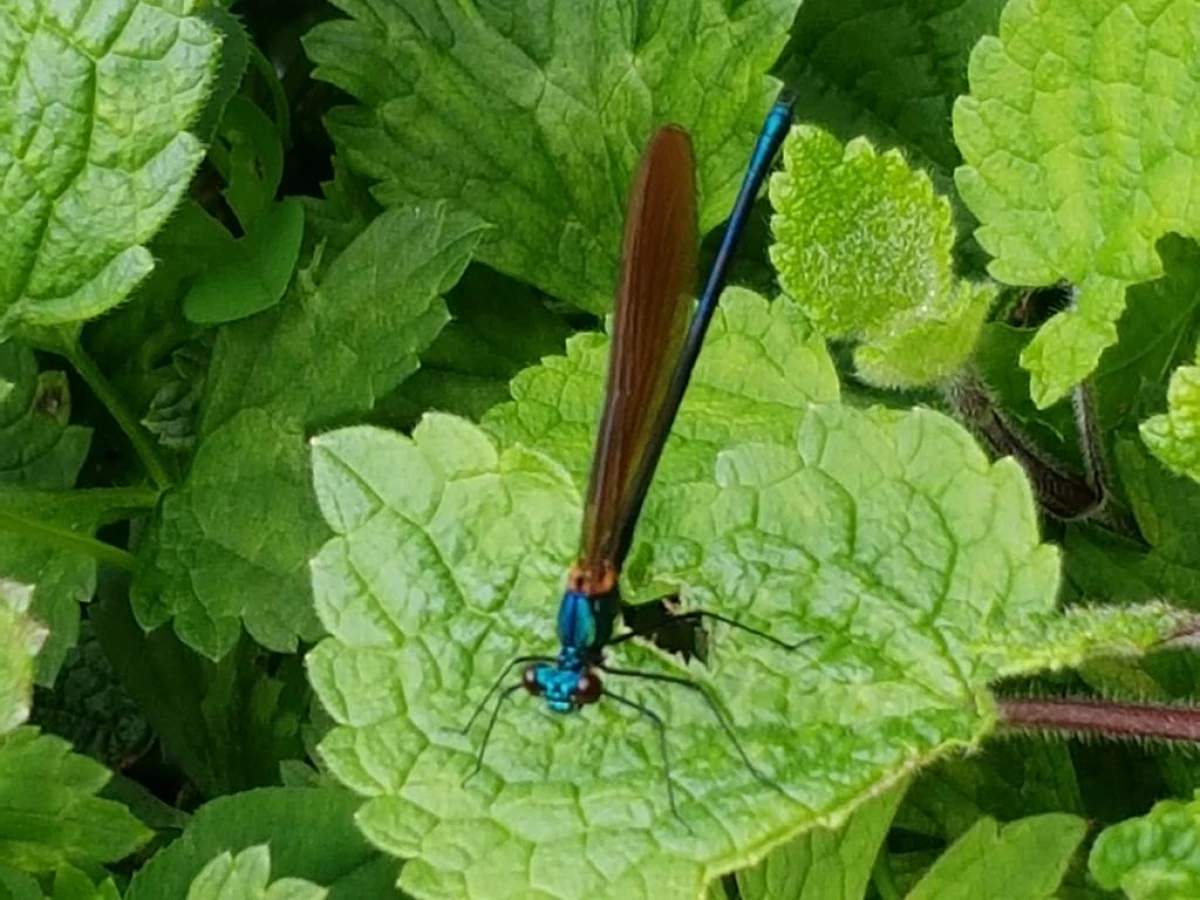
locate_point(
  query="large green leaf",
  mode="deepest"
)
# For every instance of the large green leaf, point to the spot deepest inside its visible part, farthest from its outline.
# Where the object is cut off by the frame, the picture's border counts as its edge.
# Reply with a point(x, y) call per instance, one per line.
point(95, 100)
point(1153, 857)
point(888, 536)
point(533, 115)
point(230, 545)
point(1080, 142)
point(863, 244)
point(49, 813)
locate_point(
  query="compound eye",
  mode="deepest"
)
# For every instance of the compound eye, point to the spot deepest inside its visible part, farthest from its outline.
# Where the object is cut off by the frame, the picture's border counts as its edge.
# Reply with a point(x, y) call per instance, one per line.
point(588, 689)
point(529, 678)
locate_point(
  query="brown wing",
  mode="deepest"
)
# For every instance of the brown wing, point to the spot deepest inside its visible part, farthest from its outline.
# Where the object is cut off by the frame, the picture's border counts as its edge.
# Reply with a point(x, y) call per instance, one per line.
point(658, 267)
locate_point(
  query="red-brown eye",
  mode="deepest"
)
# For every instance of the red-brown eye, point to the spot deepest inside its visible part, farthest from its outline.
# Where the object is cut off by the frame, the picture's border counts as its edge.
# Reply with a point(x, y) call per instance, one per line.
point(588, 689)
point(530, 680)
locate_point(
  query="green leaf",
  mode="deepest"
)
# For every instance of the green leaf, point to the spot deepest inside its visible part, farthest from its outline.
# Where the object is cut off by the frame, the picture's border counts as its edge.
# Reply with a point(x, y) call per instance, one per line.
point(1007, 779)
point(1079, 142)
point(46, 540)
point(1167, 510)
point(235, 56)
point(133, 338)
point(175, 406)
point(20, 639)
point(1174, 437)
point(252, 161)
point(94, 152)
point(310, 831)
point(864, 245)
point(825, 863)
point(1024, 860)
point(38, 447)
point(467, 369)
point(231, 545)
point(1157, 333)
point(344, 211)
point(72, 884)
point(760, 366)
point(888, 71)
point(888, 536)
point(50, 814)
point(256, 273)
point(1154, 857)
point(245, 878)
point(492, 109)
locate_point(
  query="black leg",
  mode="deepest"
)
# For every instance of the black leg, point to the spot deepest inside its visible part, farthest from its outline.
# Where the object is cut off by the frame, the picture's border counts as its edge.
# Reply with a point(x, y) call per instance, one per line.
point(662, 741)
point(726, 725)
point(487, 735)
point(696, 614)
point(657, 621)
point(499, 681)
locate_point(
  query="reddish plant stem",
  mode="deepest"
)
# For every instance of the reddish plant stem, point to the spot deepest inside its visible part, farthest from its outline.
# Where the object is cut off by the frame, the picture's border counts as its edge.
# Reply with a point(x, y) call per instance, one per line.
point(1102, 718)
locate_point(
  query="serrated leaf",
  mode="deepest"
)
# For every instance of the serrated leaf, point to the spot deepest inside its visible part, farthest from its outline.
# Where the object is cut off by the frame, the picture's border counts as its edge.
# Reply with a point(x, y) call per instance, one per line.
point(863, 244)
point(1174, 437)
point(256, 273)
point(887, 70)
point(888, 536)
point(245, 877)
point(1079, 140)
point(94, 152)
point(825, 863)
point(1024, 860)
point(20, 639)
point(492, 109)
point(1154, 857)
point(231, 544)
point(51, 815)
point(311, 834)
point(755, 351)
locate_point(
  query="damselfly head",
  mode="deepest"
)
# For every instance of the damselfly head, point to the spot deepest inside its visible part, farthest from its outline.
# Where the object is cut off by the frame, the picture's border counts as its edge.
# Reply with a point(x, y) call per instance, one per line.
point(565, 688)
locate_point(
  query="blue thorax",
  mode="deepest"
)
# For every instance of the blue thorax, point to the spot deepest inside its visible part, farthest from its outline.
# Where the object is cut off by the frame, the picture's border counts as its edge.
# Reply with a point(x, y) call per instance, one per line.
point(585, 624)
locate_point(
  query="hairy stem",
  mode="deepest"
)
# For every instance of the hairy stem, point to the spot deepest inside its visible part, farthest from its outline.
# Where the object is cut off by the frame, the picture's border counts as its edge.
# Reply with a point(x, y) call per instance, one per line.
point(143, 444)
point(1102, 718)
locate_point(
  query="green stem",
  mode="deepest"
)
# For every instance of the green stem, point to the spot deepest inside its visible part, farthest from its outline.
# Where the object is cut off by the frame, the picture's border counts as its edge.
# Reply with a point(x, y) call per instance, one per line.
point(146, 449)
point(881, 877)
point(65, 539)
